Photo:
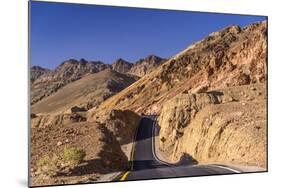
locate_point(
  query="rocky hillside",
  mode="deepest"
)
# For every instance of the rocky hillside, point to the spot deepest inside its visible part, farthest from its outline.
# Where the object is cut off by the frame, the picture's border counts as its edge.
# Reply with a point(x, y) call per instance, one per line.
point(146, 65)
point(45, 82)
point(100, 141)
point(80, 95)
point(231, 57)
point(65, 73)
point(224, 126)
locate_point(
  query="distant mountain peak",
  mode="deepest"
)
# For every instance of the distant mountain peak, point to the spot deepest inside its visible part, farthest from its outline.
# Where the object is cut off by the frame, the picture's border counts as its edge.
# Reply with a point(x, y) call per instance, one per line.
point(121, 65)
point(120, 60)
point(146, 65)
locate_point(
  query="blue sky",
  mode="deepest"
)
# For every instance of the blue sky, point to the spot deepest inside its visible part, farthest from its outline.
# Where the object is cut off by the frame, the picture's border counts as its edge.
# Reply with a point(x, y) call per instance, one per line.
point(63, 31)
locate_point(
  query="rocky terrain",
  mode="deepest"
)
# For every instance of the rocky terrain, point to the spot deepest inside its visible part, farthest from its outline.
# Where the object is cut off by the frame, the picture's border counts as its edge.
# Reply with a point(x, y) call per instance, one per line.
point(224, 126)
point(85, 93)
point(210, 99)
point(70, 103)
point(101, 141)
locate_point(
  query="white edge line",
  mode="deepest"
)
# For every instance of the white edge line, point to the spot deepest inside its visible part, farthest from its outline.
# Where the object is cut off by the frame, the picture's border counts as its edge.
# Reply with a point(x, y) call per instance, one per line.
point(153, 144)
point(153, 152)
point(226, 168)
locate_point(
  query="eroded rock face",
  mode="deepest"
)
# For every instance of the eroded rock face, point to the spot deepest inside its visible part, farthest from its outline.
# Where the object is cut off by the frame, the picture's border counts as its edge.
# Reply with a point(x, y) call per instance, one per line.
point(230, 57)
point(123, 124)
point(177, 114)
point(226, 126)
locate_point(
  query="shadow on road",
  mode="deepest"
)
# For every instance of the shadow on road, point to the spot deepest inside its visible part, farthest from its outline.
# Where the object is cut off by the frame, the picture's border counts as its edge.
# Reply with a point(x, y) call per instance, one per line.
point(152, 164)
point(145, 126)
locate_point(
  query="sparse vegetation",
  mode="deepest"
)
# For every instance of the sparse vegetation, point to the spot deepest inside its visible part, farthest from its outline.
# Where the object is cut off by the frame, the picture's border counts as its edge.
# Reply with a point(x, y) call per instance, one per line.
point(47, 166)
point(44, 161)
point(73, 155)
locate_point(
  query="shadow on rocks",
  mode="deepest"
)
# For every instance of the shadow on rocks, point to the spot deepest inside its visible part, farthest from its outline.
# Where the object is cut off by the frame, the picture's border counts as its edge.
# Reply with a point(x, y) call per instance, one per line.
point(110, 159)
point(187, 159)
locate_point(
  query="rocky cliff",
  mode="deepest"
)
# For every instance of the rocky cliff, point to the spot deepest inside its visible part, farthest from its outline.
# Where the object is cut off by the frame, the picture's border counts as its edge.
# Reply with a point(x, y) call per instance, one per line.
point(225, 126)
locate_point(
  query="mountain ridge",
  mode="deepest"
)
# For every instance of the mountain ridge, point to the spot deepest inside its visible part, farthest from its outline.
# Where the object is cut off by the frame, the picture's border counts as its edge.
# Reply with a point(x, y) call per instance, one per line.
point(45, 81)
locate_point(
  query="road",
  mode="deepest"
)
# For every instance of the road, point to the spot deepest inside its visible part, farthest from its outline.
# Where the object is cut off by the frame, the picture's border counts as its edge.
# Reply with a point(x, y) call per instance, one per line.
point(146, 165)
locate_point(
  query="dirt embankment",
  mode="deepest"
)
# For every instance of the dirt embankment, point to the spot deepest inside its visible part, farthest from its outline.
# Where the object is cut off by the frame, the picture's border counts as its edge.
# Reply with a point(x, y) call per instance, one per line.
point(225, 126)
point(102, 142)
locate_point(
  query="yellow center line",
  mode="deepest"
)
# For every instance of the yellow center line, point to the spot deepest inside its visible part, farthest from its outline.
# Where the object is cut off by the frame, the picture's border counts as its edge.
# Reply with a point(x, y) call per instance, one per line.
point(132, 158)
point(124, 176)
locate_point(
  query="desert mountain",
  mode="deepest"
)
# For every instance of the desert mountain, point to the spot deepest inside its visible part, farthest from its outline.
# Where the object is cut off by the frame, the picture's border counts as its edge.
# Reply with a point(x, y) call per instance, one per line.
point(231, 57)
point(140, 68)
point(84, 93)
point(65, 73)
point(36, 72)
point(45, 82)
point(122, 66)
point(146, 65)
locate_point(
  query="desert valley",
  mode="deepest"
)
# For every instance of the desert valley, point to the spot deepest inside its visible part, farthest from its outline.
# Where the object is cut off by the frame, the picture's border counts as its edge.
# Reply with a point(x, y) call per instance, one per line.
point(209, 102)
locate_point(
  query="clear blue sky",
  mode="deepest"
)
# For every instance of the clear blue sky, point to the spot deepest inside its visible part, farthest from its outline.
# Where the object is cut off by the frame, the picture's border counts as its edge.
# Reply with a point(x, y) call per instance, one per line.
point(63, 31)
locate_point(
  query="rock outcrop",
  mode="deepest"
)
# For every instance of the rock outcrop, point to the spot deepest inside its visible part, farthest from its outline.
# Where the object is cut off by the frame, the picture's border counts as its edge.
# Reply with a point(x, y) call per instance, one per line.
point(123, 124)
point(225, 126)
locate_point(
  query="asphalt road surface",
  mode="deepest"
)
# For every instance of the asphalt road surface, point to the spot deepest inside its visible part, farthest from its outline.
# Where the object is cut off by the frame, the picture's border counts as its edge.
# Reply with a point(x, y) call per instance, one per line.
point(146, 165)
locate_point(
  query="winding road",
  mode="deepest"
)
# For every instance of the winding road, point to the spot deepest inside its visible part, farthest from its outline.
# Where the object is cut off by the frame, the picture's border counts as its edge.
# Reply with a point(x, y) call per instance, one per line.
point(146, 165)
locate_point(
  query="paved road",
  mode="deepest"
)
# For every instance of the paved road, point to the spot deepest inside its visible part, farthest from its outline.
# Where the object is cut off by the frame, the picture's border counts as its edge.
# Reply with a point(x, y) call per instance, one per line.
point(146, 165)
